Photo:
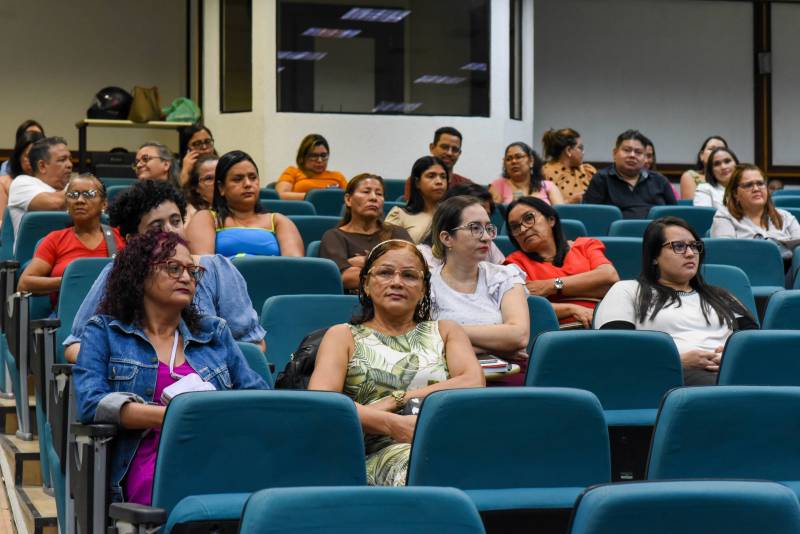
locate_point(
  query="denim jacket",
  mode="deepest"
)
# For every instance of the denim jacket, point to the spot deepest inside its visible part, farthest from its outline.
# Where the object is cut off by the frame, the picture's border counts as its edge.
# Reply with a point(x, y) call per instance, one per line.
point(117, 364)
point(222, 292)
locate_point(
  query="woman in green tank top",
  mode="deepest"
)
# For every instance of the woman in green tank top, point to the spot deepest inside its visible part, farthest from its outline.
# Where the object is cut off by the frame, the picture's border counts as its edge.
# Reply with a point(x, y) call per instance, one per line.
point(391, 354)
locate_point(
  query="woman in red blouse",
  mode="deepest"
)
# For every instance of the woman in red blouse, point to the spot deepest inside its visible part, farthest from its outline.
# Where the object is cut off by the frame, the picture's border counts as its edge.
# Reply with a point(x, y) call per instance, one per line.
point(86, 200)
point(574, 276)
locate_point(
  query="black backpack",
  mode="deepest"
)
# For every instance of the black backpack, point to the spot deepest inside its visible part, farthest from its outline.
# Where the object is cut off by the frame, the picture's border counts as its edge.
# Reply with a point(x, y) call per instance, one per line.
point(298, 371)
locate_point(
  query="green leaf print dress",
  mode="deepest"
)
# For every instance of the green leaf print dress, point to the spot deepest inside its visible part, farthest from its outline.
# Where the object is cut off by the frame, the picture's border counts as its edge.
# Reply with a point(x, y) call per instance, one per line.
point(382, 364)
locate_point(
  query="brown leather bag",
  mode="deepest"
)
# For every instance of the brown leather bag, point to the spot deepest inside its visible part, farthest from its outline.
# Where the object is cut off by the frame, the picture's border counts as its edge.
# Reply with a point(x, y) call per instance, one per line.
point(146, 106)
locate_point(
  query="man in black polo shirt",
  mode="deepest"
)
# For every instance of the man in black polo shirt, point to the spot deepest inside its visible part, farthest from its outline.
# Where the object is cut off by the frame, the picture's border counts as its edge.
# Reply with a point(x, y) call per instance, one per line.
point(627, 184)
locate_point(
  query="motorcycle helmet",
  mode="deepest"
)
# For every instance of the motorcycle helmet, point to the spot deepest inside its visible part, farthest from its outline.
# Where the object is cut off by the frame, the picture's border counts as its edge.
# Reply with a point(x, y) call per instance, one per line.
point(110, 103)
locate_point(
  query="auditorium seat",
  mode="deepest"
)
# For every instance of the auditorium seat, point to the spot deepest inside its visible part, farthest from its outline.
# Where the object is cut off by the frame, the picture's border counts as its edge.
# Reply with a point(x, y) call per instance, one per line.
point(625, 253)
point(787, 201)
point(288, 207)
point(267, 193)
point(573, 229)
point(313, 227)
point(783, 311)
point(761, 358)
point(542, 318)
point(597, 218)
point(734, 280)
point(759, 259)
point(326, 201)
point(698, 217)
point(312, 250)
point(629, 228)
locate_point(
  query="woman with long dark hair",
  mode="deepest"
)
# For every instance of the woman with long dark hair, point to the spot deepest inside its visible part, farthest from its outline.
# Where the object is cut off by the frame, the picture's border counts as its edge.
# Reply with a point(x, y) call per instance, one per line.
point(393, 353)
point(721, 165)
point(237, 223)
point(522, 177)
point(195, 141)
point(429, 182)
point(573, 276)
point(694, 177)
point(360, 229)
point(671, 296)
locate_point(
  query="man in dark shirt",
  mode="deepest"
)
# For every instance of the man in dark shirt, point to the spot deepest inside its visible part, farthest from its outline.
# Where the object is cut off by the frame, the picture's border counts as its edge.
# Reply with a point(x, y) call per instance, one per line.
point(627, 184)
point(447, 147)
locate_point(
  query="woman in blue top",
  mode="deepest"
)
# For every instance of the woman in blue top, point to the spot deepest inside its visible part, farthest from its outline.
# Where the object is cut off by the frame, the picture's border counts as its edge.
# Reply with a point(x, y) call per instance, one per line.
point(148, 335)
point(151, 204)
point(236, 224)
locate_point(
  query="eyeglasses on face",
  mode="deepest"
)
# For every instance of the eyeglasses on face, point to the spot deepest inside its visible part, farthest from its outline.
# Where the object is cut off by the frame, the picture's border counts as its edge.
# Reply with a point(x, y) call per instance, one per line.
point(526, 221)
point(174, 269)
point(680, 247)
point(449, 149)
point(318, 157)
point(386, 275)
point(516, 157)
point(89, 194)
point(202, 143)
point(477, 229)
point(755, 184)
point(144, 160)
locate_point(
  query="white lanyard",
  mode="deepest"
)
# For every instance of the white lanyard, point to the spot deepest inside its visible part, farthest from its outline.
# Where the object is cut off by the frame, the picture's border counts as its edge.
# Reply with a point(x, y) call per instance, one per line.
point(172, 358)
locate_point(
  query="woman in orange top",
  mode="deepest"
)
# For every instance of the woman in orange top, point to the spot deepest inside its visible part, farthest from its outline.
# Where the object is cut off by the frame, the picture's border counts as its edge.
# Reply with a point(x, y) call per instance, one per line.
point(311, 171)
point(566, 168)
point(574, 276)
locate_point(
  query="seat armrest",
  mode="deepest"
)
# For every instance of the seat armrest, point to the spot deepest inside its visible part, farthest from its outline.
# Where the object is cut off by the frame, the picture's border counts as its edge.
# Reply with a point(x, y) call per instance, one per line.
point(62, 368)
point(93, 431)
point(137, 514)
point(45, 323)
point(9, 264)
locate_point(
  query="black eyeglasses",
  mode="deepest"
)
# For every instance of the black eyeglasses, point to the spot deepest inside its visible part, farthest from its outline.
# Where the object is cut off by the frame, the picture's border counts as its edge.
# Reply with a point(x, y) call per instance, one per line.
point(318, 157)
point(174, 269)
point(527, 221)
point(202, 143)
point(144, 160)
point(89, 194)
point(680, 247)
point(477, 229)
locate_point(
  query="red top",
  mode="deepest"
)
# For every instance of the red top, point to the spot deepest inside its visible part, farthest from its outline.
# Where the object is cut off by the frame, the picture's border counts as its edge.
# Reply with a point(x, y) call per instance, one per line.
point(62, 247)
point(584, 255)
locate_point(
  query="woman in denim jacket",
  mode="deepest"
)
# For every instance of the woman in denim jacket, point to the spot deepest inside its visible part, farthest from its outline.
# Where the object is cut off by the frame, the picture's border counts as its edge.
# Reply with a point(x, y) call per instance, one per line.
point(147, 336)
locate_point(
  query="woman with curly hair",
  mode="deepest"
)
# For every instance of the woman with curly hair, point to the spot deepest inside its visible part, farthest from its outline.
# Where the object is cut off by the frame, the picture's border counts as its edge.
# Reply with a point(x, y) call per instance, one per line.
point(147, 336)
point(391, 354)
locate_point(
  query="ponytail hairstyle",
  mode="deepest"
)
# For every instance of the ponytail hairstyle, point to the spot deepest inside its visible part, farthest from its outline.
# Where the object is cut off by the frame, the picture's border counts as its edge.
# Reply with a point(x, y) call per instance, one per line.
point(555, 142)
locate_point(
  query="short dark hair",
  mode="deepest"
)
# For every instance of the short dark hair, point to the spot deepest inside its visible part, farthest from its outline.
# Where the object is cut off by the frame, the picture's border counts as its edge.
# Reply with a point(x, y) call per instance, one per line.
point(23, 142)
point(415, 202)
point(186, 133)
point(218, 203)
point(562, 247)
point(124, 297)
point(25, 125)
point(631, 135)
point(473, 190)
point(40, 151)
point(446, 130)
point(131, 205)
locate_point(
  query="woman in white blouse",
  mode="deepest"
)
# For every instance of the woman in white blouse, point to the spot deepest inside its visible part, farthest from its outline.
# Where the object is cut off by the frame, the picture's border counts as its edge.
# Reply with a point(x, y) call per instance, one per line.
point(750, 214)
point(487, 300)
point(721, 164)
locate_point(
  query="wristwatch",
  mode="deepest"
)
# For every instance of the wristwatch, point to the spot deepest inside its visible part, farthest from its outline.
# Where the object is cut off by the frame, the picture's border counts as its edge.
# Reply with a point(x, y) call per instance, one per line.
point(399, 397)
point(558, 283)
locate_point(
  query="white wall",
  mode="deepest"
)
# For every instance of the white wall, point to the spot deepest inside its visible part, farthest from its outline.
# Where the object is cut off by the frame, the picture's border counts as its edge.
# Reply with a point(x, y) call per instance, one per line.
point(56, 55)
point(785, 81)
point(387, 145)
point(678, 70)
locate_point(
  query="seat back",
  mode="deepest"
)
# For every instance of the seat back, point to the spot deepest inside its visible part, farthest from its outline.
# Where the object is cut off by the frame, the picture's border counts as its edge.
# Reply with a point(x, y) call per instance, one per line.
point(113, 191)
point(77, 280)
point(503, 242)
point(343, 510)
point(744, 362)
point(257, 361)
point(393, 188)
point(267, 193)
point(34, 226)
point(7, 237)
point(542, 316)
point(727, 432)
point(312, 250)
point(327, 201)
point(734, 280)
point(688, 507)
point(626, 369)
point(244, 441)
point(783, 311)
point(313, 227)
point(698, 217)
point(542, 437)
point(267, 276)
point(289, 207)
point(573, 229)
point(287, 319)
point(759, 259)
point(626, 255)
point(387, 206)
point(787, 201)
point(596, 217)
point(629, 228)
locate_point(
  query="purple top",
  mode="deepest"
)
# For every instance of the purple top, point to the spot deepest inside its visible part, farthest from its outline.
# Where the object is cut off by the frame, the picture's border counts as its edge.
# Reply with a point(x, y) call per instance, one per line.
point(138, 484)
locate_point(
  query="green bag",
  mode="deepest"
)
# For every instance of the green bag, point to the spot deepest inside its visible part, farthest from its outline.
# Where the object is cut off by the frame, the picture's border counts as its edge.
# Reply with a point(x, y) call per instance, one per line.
point(182, 110)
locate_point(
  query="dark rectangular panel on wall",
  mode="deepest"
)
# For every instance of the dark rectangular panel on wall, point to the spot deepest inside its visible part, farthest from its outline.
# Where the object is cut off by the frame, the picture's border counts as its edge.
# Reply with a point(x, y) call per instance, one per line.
point(515, 60)
point(236, 61)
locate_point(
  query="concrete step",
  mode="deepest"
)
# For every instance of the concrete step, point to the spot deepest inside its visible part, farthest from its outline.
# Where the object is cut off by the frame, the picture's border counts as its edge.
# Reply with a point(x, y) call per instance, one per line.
point(8, 415)
point(34, 511)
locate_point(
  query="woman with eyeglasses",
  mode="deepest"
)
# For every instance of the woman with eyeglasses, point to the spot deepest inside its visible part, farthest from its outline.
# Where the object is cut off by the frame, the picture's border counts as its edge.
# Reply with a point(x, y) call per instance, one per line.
point(87, 238)
point(146, 336)
point(749, 213)
point(199, 190)
point(237, 224)
point(566, 169)
point(522, 177)
point(573, 276)
point(429, 182)
point(195, 141)
point(391, 354)
point(311, 171)
point(154, 161)
point(360, 230)
point(722, 163)
point(487, 300)
point(671, 296)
